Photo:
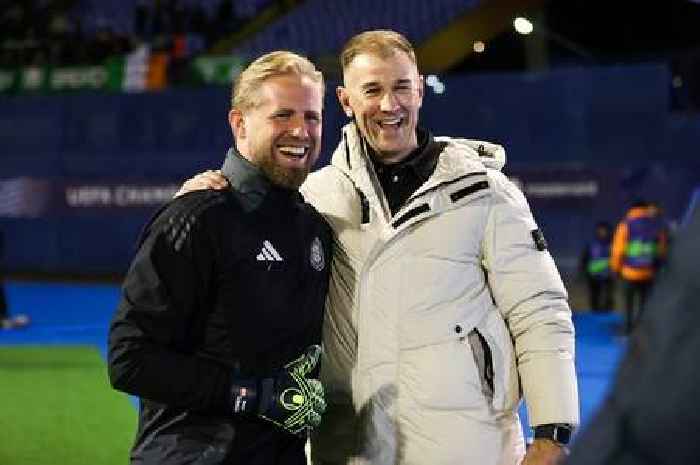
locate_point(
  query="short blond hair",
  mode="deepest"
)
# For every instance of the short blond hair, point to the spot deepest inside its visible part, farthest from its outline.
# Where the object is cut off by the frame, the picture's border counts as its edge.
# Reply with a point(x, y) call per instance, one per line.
point(279, 63)
point(382, 43)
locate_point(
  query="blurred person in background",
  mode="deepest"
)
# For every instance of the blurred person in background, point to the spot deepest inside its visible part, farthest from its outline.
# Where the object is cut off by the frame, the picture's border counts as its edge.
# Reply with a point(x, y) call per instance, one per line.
point(638, 251)
point(444, 300)
point(649, 416)
point(6, 320)
point(220, 318)
point(596, 267)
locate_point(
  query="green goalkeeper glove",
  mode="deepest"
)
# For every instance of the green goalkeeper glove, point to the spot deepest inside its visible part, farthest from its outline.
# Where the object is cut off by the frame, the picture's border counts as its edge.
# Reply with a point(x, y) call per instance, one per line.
point(291, 400)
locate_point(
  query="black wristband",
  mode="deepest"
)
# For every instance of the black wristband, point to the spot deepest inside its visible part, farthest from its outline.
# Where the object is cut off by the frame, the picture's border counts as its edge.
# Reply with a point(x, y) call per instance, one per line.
point(560, 433)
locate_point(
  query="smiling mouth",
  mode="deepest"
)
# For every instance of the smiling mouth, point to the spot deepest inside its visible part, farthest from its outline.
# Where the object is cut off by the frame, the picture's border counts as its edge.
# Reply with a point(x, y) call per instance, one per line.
point(391, 123)
point(294, 151)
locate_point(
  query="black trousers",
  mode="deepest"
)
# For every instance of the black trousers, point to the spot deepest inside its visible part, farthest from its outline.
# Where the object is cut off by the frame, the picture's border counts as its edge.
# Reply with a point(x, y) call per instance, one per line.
point(636, 293)
point(600, 294)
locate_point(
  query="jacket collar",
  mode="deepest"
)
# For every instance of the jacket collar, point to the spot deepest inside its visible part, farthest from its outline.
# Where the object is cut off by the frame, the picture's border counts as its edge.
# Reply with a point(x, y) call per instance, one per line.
point(459, 157)
point(421, 161)
point(460, 175)
point(249, 180)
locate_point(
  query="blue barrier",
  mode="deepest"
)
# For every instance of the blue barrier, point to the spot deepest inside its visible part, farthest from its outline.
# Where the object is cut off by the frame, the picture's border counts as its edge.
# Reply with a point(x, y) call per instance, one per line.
point(614, 122)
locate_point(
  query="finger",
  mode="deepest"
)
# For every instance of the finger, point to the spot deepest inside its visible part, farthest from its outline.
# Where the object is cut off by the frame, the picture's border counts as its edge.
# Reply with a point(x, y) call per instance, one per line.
point(305, 364)
point(313, 355)
point(202, 181)
point(317, 400)
point(212, 180)
point(319, 405)
point(315, 386)
point(313, 419)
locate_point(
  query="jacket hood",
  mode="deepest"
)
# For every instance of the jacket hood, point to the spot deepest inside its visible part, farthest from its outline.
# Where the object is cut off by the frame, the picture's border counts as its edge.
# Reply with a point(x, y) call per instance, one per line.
point(491, 155)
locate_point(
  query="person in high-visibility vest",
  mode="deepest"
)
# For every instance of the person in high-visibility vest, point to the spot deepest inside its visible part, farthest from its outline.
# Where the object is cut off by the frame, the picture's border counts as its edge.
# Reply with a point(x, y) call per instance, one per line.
point(596, 266)
point(638, 250)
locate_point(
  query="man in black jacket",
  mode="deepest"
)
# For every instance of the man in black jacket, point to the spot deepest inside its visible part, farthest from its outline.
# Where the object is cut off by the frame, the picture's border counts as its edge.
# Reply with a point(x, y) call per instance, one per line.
point(650, 416)
point(221, 310)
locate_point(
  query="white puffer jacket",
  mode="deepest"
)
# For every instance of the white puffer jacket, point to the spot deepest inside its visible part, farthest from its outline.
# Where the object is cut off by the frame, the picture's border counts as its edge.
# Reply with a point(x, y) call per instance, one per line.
point(402, 380)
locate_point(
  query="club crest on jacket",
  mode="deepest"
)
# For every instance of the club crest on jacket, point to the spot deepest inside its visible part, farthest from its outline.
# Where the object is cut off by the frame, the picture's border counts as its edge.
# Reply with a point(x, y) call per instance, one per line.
point(317, 260)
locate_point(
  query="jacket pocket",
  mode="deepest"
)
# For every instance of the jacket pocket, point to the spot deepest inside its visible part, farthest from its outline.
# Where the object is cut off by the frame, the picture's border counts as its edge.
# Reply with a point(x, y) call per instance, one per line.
point(483, 360)
point(442, 376)
point(505, 382)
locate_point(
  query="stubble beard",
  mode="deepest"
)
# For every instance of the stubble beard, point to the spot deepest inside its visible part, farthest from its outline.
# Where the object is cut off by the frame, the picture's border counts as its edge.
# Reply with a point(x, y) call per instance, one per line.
point(288, 178)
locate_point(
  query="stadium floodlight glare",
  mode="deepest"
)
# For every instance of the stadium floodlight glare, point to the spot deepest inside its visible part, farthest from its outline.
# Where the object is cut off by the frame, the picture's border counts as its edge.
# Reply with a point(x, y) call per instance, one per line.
point(479, 46)
point(431, 79)
point(523, 25)
point(435, 84)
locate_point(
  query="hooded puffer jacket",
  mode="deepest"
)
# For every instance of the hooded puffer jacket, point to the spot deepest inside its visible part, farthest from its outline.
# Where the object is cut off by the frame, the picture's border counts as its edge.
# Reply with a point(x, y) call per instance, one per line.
point(461, 262)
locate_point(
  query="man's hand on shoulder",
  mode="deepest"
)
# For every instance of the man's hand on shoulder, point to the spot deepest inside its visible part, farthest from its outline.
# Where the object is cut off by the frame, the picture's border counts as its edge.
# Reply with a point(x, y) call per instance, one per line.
point(210, 179)
point(544, 452)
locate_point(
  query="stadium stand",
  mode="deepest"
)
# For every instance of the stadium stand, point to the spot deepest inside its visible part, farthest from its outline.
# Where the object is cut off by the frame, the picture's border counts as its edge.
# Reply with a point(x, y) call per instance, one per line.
point(319, 27)
point(69, 32)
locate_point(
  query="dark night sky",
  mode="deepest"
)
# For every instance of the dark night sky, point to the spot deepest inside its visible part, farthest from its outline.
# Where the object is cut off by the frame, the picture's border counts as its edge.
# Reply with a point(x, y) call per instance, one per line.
point(611, 31)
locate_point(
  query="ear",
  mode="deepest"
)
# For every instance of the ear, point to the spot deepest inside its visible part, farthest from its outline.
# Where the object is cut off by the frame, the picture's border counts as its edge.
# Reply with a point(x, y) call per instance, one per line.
point(344, 99)
point(421, 89)
point(237, 123)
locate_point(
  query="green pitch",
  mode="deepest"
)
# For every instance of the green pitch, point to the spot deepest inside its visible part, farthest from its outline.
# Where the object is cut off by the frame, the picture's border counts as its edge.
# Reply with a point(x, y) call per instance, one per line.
point(57, 408)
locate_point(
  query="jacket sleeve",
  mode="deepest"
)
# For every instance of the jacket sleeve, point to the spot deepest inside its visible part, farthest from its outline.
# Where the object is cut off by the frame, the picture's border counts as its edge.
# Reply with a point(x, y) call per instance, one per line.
point(530, 295)
point(152, 337)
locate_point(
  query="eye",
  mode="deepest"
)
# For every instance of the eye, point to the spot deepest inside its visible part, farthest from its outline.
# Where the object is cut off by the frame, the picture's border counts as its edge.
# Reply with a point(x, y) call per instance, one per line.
point(372, 91)
point(402, 88)
point(313, 117)
point(282, 114)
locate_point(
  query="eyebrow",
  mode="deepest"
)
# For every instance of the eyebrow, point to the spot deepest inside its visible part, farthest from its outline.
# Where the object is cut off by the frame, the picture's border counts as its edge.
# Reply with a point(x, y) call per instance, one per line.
point(376, 83)
point(369, 84)
point(292, 111)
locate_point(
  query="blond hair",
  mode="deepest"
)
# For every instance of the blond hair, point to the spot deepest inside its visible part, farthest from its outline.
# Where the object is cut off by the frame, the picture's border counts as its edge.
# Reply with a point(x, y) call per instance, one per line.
point(280, 63)
point(381, 42)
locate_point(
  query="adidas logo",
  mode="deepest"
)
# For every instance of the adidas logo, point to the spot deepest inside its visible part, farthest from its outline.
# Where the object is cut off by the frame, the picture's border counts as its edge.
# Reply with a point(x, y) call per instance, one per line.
point(269, 254)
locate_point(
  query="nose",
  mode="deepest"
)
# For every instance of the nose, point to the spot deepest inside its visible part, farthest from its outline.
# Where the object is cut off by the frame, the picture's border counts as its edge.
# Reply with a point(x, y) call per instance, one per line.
point(298, 128)
point(388, 102)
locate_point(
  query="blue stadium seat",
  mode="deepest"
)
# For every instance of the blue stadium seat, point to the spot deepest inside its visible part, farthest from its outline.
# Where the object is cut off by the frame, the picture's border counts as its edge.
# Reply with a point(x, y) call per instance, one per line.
point(320, 27)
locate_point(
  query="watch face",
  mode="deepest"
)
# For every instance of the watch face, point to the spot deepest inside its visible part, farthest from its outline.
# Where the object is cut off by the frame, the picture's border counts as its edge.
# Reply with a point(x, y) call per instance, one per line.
point(563, 435)
point(557, 433)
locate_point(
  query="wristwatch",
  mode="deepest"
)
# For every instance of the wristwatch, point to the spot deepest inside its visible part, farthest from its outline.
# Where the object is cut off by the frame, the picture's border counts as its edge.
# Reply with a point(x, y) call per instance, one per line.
point(557, 432)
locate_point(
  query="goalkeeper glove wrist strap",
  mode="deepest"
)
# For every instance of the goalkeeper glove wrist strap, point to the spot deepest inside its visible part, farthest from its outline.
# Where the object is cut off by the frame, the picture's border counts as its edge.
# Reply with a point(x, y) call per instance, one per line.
point(244, 396)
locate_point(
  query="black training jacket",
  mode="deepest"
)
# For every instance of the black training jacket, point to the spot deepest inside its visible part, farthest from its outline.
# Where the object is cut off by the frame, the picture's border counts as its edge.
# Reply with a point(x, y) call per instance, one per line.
point(224, 283)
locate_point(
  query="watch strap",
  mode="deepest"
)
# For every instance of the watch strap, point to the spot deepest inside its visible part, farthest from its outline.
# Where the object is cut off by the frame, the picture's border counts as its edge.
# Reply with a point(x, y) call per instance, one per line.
point(560, 433)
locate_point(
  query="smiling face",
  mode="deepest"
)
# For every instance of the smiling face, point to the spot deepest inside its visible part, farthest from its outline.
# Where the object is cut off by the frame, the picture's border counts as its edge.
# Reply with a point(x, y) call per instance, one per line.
point(384, 94)
point(281, 133)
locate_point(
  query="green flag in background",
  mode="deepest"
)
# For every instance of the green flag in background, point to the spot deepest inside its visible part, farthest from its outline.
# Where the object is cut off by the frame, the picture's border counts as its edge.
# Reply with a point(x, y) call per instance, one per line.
point(217, 69)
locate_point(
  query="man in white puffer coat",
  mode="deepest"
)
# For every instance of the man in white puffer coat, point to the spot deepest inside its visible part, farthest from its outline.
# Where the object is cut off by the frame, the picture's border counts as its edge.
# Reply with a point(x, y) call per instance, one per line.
point(444, 304)
point(444, 301)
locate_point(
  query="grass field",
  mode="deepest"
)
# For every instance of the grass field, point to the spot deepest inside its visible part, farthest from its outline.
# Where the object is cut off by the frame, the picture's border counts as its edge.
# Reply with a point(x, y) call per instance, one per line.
point(58, 408)
point(56, 405)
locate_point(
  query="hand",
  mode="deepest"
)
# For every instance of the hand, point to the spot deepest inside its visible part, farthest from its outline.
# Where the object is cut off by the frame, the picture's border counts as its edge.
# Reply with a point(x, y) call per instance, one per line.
point(209, 179)
point(291, 400)
point(544, 452)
